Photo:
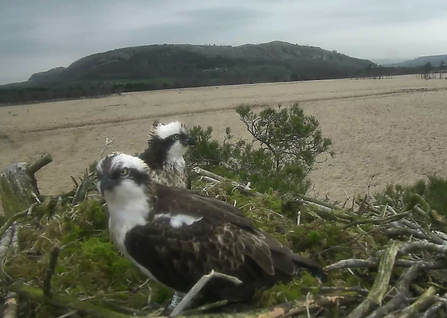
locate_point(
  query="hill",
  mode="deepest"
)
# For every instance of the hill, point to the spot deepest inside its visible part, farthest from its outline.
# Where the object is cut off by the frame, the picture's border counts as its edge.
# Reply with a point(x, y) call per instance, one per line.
point(182, 65)
point(191, 65)
point(435, 60)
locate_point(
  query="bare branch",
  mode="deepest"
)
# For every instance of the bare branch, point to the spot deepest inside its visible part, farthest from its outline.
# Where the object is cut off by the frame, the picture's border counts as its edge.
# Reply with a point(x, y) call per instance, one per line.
point(39, 164)
point(194, 291)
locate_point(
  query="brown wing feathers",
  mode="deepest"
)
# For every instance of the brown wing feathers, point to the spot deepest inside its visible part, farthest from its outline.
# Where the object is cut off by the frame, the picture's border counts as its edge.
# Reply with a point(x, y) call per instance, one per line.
point(223, 240)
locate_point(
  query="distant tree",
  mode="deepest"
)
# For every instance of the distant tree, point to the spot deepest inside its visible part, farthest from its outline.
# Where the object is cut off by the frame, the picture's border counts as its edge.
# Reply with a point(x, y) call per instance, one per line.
point(369, 70)
point(426, 69)
point(441, 68)
point(380, 71)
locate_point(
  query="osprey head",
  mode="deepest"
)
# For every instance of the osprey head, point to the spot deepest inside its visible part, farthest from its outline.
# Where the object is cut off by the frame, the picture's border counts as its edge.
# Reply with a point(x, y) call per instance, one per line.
point(118, 169)
point(169, 142)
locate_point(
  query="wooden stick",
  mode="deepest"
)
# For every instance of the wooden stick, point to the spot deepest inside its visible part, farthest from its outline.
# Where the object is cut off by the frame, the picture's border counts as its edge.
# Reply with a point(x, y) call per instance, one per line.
point(319, 202)
point(218, 178)
point(50, 271)
point(403, 284)
point(362, 206)
point(397, 302)
point(193, 292)
point(81, 191)
point(11, 306)
point(5, 242)
point(381, 282)
point(424, 246)
point(424, 300)
point(39, 164)
point(312, 303)
point(67, 302)
point(401, 299)
point(430, 312)
point(206, 307)
point(379, 221)
point(361, 291)
point(373, 262)
point(16, 216)
point(15, 238)
point(399, 231)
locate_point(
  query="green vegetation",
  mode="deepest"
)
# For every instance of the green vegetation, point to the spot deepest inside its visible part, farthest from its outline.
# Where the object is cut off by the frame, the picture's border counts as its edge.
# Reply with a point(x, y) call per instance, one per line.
point(283, 149)
point(434, 191)
point(88, 267)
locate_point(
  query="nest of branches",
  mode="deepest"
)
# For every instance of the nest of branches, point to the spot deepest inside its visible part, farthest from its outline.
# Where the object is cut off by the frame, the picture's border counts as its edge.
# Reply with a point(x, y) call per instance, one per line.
point(380, 260)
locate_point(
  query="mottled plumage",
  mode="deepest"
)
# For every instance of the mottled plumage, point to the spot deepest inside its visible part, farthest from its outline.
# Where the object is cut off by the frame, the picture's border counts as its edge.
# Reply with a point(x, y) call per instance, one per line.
point(166, 146)
point(176, 236)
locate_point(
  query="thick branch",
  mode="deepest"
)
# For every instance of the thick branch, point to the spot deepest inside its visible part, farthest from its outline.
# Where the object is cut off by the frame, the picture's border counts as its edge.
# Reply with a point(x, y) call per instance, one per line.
point(401, 299)
point(400, 231)
point(39, 164)
point(11, 306)
point(423, 245)
point(431, 312)
point(14, 218)
point(373, 262)
point(381, 282)
point(396, 303)
point(67, 302)
point(5, 242)
point(403, 285)
point(424, 300)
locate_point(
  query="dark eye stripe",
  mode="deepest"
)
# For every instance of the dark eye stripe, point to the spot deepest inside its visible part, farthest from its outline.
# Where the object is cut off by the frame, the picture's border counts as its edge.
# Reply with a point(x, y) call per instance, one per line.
point(138, 176)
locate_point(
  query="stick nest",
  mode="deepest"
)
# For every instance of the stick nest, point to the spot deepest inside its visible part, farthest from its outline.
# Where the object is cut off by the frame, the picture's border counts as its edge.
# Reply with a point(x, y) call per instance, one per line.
point(381, 260)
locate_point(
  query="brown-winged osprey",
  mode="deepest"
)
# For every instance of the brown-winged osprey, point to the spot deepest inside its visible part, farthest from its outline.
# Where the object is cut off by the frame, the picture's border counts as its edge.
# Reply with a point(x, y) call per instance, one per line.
point(175, 236)
point(166, 146)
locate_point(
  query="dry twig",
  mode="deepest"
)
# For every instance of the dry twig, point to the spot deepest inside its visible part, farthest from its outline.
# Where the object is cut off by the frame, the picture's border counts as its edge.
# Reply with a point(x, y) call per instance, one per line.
point(50, 271)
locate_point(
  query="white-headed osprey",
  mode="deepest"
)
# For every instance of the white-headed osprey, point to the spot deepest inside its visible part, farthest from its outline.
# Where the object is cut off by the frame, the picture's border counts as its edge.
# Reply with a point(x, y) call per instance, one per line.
point(166, 146)
point(175, 236)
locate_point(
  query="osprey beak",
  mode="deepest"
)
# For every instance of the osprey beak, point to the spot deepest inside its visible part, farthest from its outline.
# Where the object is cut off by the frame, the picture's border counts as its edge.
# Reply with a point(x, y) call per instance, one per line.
point(190, 141)
point(107, 184)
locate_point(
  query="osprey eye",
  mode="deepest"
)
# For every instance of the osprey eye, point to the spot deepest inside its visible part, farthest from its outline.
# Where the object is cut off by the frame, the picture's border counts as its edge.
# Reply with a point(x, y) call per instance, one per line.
point(176, 137)
point(124, 172)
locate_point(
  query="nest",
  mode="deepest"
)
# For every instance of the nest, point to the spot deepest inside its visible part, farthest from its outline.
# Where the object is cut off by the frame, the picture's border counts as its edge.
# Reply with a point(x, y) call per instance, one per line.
point(380, 260)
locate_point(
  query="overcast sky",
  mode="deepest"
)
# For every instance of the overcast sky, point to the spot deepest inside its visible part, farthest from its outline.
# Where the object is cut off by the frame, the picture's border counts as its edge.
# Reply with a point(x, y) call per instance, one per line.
point(39, 35)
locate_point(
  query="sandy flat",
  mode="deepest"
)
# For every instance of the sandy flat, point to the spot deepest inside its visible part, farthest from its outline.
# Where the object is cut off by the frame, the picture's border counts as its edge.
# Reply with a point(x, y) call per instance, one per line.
point(393, 129)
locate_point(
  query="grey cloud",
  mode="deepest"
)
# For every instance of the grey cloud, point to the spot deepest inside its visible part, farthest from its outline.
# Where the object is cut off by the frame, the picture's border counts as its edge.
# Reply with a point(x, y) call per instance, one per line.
point(38, 35)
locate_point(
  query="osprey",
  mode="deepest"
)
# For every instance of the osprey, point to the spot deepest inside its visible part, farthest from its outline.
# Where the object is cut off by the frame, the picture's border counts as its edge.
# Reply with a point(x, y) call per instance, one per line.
point(175, 236)
point(164, 156)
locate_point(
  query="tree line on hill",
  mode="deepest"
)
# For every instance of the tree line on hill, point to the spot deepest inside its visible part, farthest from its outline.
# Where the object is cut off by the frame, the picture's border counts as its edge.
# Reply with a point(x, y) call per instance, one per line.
point(379, 71)
point(215, 76)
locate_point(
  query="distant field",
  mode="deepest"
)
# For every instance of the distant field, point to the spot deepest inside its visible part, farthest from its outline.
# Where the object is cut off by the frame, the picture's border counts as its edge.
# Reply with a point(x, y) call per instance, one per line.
point(394, 129)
